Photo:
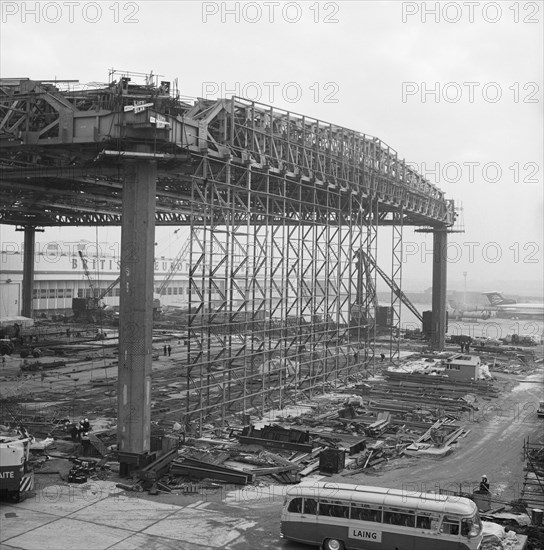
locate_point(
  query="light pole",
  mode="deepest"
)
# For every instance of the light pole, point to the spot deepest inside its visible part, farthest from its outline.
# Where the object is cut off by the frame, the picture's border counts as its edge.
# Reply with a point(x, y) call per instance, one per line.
point(465, 289)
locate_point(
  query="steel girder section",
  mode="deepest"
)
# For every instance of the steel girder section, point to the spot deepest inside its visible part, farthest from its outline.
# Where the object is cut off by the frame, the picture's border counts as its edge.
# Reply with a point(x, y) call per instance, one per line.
point(396, 278)
point(333, 157)
point(34, 111)
point(109, 122)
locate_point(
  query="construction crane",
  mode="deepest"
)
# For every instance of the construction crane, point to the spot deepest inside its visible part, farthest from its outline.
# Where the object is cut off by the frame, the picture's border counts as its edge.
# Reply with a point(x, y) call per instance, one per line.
point(88, 274)
point(87, 308)
point(105, 292)
point(176, 264)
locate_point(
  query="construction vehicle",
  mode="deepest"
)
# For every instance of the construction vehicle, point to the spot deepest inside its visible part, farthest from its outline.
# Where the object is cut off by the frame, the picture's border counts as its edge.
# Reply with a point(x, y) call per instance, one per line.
point(14, 337)
point(92, 309)
point(16, 475)
point(7, 347)
point(10, 337)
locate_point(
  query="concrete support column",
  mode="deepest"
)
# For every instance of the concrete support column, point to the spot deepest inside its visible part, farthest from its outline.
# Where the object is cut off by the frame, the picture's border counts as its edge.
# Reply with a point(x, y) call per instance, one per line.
point(136, 313)
point(28, 270)
point(440, 265)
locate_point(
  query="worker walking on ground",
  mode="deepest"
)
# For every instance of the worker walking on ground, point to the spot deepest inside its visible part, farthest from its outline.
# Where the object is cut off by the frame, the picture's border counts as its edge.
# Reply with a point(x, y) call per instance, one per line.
point(165, 350)
point(85, 444)
point(484, 485)
point(80, 430)
point(382, 356)
point(169, 350)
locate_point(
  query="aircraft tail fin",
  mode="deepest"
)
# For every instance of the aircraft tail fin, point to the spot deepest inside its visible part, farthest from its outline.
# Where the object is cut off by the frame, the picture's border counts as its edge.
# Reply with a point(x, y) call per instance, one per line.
point(495, 298)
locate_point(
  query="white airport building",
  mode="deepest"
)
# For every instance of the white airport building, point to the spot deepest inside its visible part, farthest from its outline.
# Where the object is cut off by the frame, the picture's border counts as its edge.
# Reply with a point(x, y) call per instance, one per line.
point(59, 277)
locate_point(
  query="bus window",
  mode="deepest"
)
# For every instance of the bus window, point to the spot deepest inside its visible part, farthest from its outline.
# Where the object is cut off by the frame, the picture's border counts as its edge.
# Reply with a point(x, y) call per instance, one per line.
point(295, 506)
point(466, 526)
point(340, 511)
point(450, 526)
point(423, 522)
point(408, 520)
point(471, 527)
point(399, 517)
point(365, 513)
point(333, 508)
point(324, 508)
point(310, 506)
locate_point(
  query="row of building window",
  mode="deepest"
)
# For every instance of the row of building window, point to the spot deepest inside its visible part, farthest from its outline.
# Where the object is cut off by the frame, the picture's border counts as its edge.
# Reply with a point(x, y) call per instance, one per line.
point(173, 290)
point(177, 291)
point(88, 293)
point(55, 293)
point(52, 293)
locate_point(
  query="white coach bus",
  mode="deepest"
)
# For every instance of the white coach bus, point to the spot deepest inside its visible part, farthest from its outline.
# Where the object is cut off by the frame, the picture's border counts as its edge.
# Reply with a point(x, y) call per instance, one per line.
point(342, 516)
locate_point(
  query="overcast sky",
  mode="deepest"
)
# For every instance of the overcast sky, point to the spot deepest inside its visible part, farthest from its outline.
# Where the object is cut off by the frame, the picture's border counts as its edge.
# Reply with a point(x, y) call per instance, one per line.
point(462, 95)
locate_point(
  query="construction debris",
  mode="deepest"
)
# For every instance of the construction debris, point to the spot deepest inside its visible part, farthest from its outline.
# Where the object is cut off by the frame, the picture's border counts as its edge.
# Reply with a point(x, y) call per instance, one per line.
point(276, 436)
point(414, 409)
point(198, 469)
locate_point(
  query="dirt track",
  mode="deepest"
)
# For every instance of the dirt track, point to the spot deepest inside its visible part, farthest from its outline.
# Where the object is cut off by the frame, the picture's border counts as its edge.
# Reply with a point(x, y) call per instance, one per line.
point(493, 447)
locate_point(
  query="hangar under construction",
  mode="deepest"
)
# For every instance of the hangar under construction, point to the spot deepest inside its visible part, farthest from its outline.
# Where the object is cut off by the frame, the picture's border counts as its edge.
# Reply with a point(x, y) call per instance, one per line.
point(283, 212)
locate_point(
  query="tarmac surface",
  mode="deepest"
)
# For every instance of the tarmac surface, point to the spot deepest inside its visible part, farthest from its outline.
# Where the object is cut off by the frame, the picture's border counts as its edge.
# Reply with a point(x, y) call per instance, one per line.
point(97, 515)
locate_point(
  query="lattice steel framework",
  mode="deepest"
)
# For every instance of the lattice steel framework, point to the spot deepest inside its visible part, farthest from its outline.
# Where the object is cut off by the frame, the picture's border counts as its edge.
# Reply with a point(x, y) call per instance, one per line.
point(396, 277)
point(270, 302)
point(280, 207)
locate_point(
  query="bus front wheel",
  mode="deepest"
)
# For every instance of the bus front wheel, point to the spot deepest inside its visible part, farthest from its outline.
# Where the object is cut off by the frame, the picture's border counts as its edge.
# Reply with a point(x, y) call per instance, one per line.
point(333, 544)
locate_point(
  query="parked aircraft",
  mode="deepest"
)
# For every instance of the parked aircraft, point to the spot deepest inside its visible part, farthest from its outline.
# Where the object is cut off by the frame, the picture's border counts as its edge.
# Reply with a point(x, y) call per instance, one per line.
point(510, 309)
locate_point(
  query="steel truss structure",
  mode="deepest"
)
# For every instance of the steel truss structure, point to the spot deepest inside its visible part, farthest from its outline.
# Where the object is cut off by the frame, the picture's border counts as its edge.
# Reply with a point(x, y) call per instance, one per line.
point(280, 205)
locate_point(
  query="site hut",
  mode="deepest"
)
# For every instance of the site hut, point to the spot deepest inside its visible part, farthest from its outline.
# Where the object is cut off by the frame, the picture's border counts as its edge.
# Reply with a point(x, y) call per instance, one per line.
point(463, 367)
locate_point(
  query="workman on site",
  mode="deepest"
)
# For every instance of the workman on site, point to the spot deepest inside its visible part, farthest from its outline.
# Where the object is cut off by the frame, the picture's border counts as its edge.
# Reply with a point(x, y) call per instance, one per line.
point(484, 485)
point(80, 430)
point(85, 443)
point(74, 431)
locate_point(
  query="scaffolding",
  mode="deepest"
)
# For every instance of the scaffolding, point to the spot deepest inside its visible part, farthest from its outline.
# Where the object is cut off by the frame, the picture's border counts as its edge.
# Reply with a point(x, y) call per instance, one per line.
point(279, 204)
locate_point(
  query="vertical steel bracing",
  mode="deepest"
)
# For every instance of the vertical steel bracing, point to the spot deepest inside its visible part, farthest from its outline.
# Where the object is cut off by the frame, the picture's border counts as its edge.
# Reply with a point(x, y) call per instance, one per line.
point(271, 291)
point(396, 278)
